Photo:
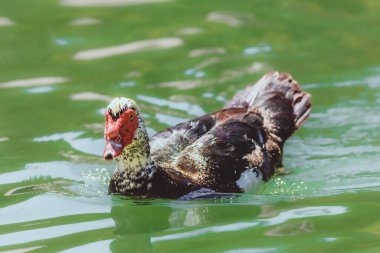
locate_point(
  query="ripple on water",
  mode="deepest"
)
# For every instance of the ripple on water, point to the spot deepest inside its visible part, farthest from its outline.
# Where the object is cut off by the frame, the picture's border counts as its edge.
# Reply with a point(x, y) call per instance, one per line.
point(191, 109)
point(52, 206)
point(282, 217)
point(3, 139)
point(198, 73)
point(107, 3)
point(180, 85)
point(40, 81)
point(207, 51)
point(45, 89)
point(60, 177)
point(85, 145)
point(257, 50)
point(65, 170)
point(90, 96)
point(189, 31)
point(94, 247)
point(231, 74)
point(53, 232)
point(169, 119)
point(341, 153)
point(4, 21)
point(231, 19)
point(131, 47)
point(128, 84)
point(370, 81)
point(85, 21)
point(253, 250)
point(207, 62)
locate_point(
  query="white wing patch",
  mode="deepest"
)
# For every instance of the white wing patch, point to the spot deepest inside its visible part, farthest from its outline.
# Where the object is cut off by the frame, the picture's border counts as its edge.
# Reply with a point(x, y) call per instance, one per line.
point(249, 179)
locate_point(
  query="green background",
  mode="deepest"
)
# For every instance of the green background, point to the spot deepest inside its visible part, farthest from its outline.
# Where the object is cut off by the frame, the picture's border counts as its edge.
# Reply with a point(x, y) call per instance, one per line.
point(53, 182)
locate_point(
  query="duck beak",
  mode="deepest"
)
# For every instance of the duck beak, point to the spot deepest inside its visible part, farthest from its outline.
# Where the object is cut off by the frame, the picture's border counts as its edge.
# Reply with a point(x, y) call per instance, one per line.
point(112, 150)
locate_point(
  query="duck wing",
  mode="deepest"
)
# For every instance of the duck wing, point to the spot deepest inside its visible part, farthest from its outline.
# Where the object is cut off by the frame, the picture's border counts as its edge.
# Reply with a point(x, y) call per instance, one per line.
point(167, 145)
point(213, 151)
point(218, 158)
point(243, 140)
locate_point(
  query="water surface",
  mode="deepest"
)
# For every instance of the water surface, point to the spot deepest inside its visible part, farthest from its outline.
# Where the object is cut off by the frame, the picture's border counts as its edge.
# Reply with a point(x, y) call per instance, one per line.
point(62, 61)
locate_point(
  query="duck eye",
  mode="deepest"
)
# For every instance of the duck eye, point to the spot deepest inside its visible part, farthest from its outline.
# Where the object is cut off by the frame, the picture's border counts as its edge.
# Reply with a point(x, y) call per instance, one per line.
point(131, 117)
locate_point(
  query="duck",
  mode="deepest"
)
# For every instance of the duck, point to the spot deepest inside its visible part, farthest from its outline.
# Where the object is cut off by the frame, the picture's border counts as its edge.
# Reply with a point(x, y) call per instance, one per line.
point(228, 151)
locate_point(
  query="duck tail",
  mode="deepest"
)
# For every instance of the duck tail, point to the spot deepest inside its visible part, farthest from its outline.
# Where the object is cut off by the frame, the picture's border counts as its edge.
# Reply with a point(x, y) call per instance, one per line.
point(280, 101)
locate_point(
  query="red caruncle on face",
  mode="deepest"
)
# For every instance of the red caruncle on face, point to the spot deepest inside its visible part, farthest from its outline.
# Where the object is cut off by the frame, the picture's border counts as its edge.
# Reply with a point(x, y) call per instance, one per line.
point(119, 133)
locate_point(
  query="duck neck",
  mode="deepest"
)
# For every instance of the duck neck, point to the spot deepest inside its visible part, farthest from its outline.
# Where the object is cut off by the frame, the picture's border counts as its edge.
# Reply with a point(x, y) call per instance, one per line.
point(135, 156)
point(134, 168)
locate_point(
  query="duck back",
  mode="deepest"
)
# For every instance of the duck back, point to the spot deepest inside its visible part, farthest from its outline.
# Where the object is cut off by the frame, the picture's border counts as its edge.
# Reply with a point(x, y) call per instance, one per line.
point(244, 140)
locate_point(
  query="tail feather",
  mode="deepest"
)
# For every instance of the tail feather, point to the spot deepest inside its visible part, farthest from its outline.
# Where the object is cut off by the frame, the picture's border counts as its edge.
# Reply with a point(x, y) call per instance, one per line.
point(279, 99)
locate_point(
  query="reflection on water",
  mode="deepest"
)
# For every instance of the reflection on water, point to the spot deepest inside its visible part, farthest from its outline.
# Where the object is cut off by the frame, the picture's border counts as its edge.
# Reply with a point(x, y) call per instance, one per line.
point(40, 170)
point(4, 21)
point(33, 82)
point(192, 109)
point(131, 47)
point(94, 247)
point(128, 84)
point(207, 51)
point(30, 210)
point(107, 3)
point(181, 85)
point(90, 96)
point(85, 145)
point(141, 225)
point(295, 228)
point(189, 31)
point(2, 139)
point(253, 250)
point(231, 19)
point(85, 21)
point(53, 232)
point(344, 155)
point(180, 60)
point(256, 50)
point(45, 89)
point(169, 120)
point(134, 224)
point(371, 82)
point(239, 226)
point(305, 212)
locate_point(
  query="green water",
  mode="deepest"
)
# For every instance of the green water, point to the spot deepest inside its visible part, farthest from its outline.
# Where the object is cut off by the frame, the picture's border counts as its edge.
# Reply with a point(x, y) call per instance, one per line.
point(53, 181)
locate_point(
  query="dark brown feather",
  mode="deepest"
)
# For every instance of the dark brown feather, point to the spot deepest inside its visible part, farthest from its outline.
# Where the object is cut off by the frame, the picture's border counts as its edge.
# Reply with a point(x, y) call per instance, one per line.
point(214, 150)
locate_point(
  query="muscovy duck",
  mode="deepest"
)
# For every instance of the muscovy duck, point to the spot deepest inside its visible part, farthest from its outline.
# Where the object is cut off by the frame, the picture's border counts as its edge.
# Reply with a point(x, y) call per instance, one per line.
point(226, 151)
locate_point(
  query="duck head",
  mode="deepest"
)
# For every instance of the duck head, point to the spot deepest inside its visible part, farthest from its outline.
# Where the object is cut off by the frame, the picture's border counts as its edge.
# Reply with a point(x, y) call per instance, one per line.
point(120, 127)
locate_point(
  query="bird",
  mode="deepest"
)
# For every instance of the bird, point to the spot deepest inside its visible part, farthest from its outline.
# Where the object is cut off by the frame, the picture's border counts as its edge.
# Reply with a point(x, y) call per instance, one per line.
point(228, 151)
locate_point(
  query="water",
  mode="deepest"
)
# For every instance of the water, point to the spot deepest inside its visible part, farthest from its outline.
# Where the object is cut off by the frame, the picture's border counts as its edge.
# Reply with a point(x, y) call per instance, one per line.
point(61, 61)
